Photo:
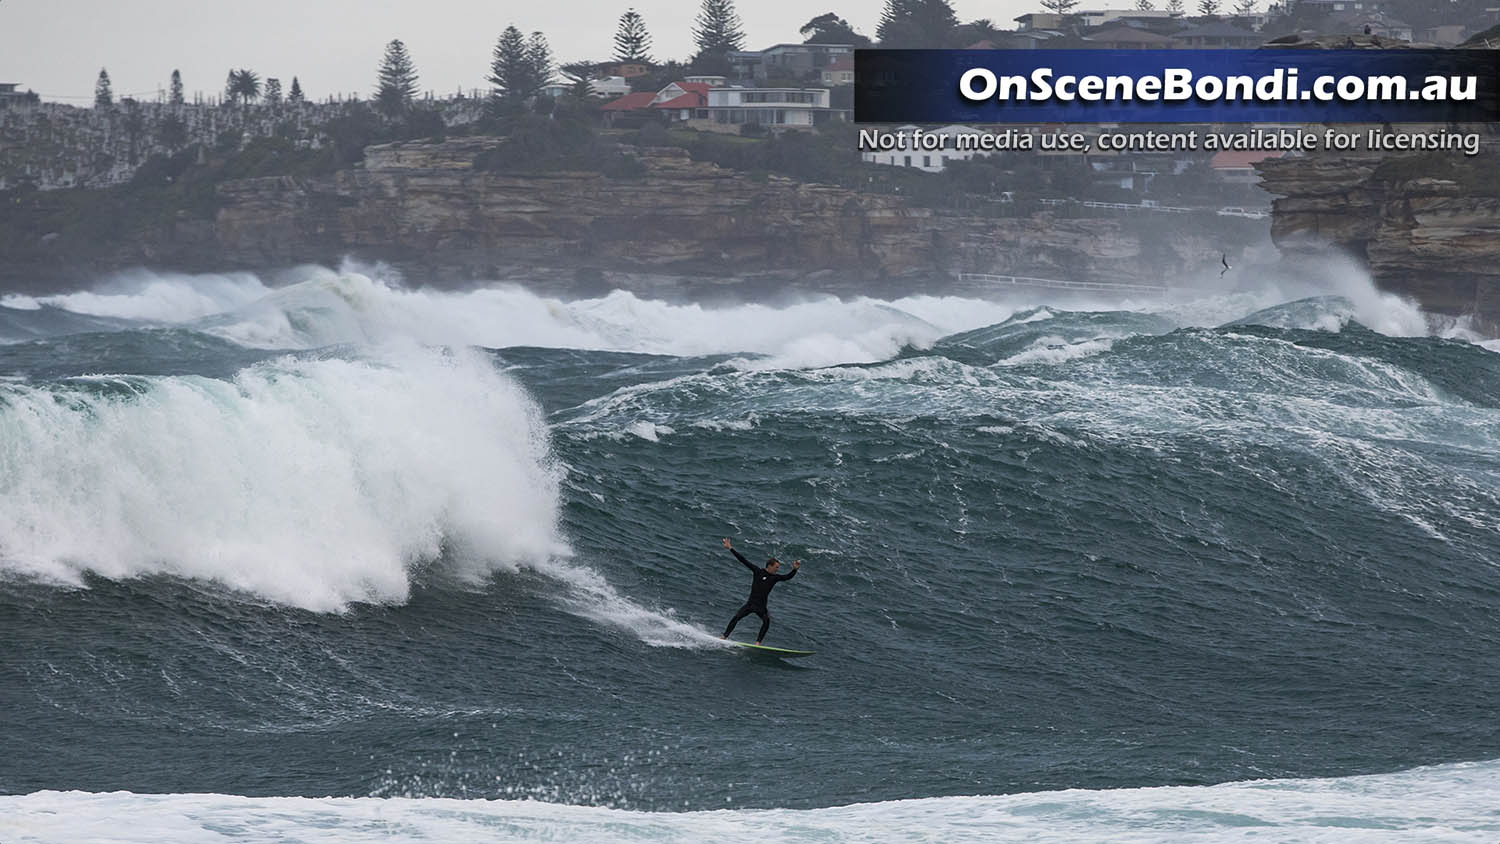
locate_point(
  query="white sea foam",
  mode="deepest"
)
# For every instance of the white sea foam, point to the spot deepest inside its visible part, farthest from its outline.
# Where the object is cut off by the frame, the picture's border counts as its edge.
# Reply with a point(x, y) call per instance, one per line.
point(1453, 803)
point(312, 483)
point(1053, 349)
point(155, 297)
point(589, 595)
point(20, 303)
point(649, 431)
point(1207, 302)
point(357, 304)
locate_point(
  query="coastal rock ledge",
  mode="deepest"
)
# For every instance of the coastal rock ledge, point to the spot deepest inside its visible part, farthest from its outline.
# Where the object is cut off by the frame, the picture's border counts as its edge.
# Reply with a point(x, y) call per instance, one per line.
point(678, 227)
point(1427, 225)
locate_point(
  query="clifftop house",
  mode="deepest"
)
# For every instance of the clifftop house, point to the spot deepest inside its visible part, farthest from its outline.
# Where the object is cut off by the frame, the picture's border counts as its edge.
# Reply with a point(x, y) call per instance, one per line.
point(786, 61)
point(1238, 165)
point(1330, 6)
point(1040, 20)
point(1215, 35)
point(678, 101)
point(930, 161)
point(773, 108)
point(11, 96)
point(723, 108)
point(841, 72)
point(1123, 37)
point(1131, 17)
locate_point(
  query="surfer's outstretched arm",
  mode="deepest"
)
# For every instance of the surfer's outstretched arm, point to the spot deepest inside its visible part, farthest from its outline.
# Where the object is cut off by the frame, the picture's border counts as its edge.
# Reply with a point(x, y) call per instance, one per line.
point(789, 575)
point(741, 557)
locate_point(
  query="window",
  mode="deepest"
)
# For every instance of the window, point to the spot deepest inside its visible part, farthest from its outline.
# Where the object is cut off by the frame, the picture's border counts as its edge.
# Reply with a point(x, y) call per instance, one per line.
point(926, 161)
point(908, 161)
point(778, 97)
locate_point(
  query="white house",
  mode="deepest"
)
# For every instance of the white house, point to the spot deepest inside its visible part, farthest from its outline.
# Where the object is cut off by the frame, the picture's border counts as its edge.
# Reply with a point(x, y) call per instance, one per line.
point(773, 108)
point(1040, 20)
point(609, 86)
point(1340, 5)
point(1100, 17)
point(931, 161)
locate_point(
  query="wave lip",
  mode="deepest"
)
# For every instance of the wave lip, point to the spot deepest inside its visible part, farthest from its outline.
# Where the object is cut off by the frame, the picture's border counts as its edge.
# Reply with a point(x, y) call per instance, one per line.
point(1446, 802)
point(313, 483)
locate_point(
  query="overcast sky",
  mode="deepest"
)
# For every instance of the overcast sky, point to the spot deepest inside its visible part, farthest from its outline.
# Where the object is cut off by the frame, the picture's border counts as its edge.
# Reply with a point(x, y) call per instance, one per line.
point(56, 47)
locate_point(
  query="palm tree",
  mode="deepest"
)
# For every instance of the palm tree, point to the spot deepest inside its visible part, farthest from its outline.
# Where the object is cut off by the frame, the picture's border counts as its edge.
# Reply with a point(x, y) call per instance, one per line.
point(242, 86)
point(974, 31)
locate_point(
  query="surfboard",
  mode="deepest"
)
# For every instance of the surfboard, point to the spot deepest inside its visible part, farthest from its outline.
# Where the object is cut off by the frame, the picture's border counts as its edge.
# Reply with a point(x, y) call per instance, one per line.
point(787, 653)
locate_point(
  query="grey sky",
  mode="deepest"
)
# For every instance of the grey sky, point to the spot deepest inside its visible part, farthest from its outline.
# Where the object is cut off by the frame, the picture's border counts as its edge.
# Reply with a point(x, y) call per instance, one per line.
point(56, 47)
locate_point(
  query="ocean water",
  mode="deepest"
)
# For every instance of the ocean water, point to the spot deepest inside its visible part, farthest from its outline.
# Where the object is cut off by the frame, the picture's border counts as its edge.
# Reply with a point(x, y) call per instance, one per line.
point(341, 560)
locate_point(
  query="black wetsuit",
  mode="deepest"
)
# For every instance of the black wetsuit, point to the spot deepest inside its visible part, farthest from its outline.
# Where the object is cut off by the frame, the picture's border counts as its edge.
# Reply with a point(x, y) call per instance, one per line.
point(760, 588)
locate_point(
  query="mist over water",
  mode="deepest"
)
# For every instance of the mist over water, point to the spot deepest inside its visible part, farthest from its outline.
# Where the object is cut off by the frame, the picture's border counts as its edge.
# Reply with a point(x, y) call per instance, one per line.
point(1070, 563)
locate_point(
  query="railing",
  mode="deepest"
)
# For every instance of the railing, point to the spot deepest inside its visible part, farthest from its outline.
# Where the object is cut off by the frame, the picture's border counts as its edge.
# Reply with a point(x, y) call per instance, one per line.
point(990, 279)
point(1120, 206)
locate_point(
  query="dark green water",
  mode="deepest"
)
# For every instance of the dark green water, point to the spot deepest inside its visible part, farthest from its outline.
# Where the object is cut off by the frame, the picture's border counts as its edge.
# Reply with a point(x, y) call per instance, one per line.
point(1086, 549)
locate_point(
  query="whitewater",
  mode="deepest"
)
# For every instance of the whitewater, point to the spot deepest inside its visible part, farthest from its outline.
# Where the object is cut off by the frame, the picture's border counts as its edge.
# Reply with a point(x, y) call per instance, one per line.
point(1209, 566)
point(1451, 803)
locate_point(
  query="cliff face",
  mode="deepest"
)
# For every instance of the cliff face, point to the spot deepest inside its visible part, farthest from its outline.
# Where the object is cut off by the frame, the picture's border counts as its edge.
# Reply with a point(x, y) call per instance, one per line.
point(1427, 225)
point(685, 224)
point(675, 228)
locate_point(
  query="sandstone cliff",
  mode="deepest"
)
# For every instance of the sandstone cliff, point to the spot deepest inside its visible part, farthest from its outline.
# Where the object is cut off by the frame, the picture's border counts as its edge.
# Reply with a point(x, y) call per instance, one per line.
point(672, 227)
point(681, 226)
point(1427, 225)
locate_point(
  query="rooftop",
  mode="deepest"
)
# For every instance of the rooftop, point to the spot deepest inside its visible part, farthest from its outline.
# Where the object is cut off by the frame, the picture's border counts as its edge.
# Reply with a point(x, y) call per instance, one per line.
point(1128, 35)
point(631, 101)
point(841, 47)
point(1216, 29)
point(1237, 159)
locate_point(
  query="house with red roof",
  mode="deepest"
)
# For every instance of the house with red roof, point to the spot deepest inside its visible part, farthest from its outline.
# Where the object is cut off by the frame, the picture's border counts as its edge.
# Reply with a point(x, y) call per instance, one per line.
point(1238, 165)
point(1122, 37)
point(636, 104)
point(678, 101)
point(840, 72)
point(725, 109)
point(681, 100)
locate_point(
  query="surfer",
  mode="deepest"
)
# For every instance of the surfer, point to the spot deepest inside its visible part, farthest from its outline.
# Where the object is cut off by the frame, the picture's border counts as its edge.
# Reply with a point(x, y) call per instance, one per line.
point(1224, 259)
point(760, 588)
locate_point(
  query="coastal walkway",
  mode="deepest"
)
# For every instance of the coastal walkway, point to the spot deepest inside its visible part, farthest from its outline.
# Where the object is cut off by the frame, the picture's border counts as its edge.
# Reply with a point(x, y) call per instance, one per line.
point(989, 282)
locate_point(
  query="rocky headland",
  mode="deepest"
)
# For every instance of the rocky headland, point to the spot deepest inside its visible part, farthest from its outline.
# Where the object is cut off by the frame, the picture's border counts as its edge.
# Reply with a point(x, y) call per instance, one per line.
point(1427, 225)
point(674, 226)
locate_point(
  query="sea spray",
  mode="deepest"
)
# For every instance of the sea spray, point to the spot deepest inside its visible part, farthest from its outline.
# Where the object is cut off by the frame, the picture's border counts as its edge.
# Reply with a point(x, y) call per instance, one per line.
point(153, 297)
point(1443, 802)
point(316, 306)
point(309, 482)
